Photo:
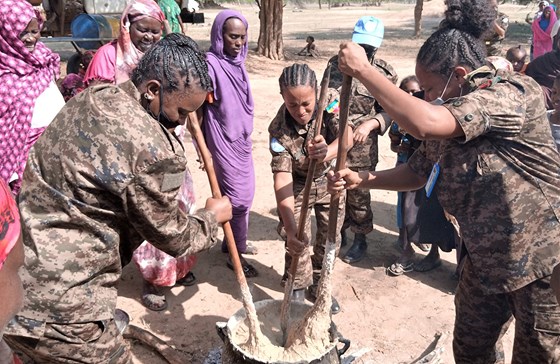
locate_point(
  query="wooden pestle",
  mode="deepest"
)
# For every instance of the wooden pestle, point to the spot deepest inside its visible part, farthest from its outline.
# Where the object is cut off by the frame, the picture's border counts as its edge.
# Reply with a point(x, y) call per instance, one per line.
point(314, 326)
point(255, 334)
point(289, 288)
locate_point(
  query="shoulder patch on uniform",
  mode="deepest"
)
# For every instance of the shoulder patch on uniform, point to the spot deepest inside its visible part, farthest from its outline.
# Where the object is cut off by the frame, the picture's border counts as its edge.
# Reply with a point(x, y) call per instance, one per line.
point(276, 146)
point(172, 181)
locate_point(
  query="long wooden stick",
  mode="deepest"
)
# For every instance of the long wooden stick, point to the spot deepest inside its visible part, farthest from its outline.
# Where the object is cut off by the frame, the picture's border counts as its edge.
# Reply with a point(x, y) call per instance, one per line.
point(255, 333)
point(341, 153)
point(289, 289)
point(313, 322)
point(172, 355)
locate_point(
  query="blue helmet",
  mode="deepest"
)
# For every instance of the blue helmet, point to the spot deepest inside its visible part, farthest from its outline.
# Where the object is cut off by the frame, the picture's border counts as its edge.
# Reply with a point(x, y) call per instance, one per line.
point(368, 30)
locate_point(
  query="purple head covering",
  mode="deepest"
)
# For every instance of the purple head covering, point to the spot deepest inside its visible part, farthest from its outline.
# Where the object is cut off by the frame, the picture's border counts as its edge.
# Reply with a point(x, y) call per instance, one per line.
point(217, 36)
point(233, 106)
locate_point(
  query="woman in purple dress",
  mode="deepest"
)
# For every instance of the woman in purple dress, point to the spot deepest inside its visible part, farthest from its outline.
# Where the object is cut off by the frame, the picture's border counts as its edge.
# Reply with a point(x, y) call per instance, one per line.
point(228, 124)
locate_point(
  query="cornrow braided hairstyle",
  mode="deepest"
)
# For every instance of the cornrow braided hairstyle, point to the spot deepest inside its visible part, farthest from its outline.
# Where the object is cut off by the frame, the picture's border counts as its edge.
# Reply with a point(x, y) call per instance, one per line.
point(298, 74)
point(171, 60)
point(457, 42)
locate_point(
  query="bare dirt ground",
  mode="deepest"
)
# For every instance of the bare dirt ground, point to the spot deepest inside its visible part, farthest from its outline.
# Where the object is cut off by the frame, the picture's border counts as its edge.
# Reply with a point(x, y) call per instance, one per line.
point(393, 318)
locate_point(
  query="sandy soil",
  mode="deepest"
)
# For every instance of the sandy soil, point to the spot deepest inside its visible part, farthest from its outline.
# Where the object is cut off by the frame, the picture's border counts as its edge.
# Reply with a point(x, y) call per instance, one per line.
point(392, 319)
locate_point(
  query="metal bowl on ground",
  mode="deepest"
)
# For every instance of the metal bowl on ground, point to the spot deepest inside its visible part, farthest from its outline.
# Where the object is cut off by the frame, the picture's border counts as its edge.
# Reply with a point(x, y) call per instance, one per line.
point(122, 319)
point(233, 353)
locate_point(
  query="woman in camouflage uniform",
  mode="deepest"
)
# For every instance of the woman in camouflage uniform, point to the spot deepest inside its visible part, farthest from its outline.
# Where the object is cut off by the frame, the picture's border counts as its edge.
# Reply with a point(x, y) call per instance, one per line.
point(103, 178)
point(489, 154)
point(293, 145)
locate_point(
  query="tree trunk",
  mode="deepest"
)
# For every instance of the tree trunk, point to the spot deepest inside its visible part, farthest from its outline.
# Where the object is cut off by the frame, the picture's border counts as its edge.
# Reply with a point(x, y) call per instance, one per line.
point(270, 42)
point(418, 17)
point(320, 4)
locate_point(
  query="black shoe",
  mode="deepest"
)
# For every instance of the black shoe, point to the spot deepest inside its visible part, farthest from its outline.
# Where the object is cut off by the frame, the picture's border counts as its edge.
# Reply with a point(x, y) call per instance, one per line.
point(298, 295)
point(312, 293)
point(357, 250)
point(335, 307)
point(343, 239)
point(312, 296)
point(284, 280)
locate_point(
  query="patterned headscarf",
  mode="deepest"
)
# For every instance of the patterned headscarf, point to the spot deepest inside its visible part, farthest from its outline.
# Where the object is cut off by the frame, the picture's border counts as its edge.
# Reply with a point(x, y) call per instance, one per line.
point(24, 75)
point(128, 55)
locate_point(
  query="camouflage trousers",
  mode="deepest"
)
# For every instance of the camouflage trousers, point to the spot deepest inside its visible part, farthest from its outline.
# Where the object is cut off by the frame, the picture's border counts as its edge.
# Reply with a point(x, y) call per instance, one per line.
point(84, 343)
point(481, 320)
point(358, 217)
point(309, 267)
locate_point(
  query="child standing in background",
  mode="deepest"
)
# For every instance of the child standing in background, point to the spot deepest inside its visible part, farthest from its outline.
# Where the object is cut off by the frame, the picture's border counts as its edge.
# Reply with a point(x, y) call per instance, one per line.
point(421, 221)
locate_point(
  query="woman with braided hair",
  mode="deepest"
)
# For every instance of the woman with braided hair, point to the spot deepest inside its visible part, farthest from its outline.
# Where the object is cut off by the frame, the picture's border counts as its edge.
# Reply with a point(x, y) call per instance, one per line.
point(489, 154)
point(158, 268)
point(103, 178)
point(293, 144)
point(141, 27)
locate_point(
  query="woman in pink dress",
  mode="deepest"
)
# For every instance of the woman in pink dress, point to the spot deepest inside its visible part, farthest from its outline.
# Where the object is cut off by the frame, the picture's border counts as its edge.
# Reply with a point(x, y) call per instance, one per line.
point(541, 27)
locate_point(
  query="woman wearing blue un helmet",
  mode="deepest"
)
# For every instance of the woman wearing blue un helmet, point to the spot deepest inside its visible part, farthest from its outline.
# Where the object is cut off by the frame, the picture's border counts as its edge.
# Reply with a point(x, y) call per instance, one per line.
point(368, 120)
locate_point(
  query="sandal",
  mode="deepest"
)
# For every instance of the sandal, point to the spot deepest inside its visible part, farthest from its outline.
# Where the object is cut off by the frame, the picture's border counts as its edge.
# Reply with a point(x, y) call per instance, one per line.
point(250, 249)
point(398, 269)
point(427, 265)
point(187, 280)
point(152, 298)
point(424, 247)
point(248, 269)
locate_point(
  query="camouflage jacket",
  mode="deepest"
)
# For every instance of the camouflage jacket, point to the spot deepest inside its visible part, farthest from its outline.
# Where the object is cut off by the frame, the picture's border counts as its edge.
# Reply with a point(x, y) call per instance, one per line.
point(501, 180)
point(288, 143)
point(363, 107)
point(102, 178)
point(492, 40)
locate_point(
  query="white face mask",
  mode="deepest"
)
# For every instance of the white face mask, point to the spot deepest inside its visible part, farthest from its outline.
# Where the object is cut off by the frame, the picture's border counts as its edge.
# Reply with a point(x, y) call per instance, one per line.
point(440, 100)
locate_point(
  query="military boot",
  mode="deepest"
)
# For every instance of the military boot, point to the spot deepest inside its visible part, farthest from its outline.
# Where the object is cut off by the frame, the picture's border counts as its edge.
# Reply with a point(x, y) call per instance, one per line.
point(343, 239)
point(357, 250)
point(298, 295)
point(312, 296)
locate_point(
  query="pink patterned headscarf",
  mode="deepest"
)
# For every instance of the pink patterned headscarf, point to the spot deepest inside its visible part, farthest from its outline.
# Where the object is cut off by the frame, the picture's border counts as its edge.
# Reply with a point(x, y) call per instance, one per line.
point(128, 55)
point(24, 75)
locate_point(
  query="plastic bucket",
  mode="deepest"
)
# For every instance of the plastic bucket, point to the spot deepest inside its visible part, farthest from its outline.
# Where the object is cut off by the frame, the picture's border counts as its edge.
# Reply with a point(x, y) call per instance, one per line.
point(94, 26)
